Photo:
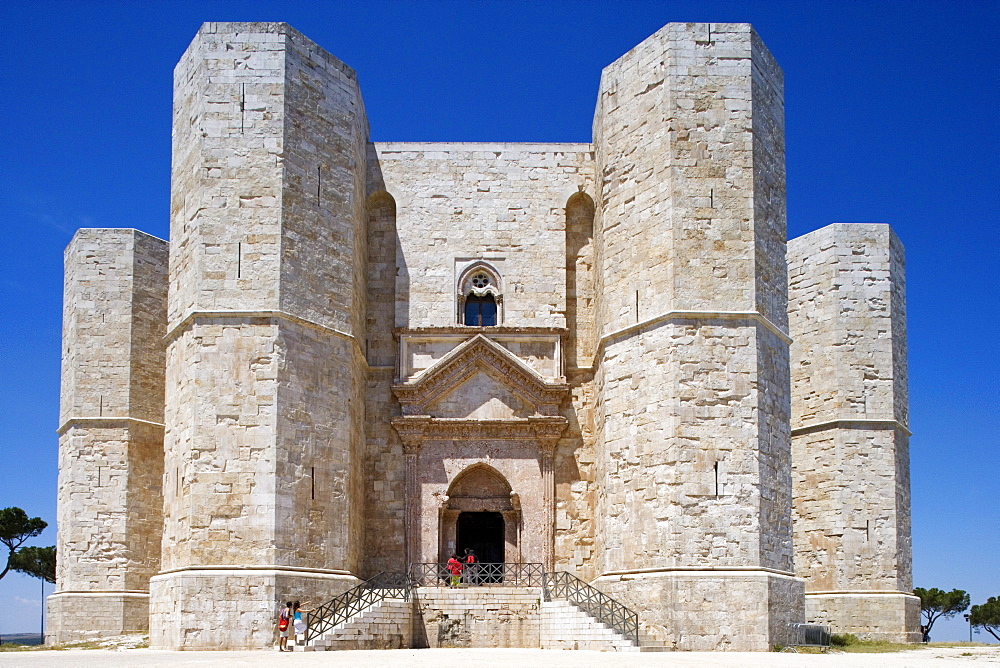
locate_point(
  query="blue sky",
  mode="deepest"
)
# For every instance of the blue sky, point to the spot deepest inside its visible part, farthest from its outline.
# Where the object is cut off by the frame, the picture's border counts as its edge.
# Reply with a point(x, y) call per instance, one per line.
point(891, 112)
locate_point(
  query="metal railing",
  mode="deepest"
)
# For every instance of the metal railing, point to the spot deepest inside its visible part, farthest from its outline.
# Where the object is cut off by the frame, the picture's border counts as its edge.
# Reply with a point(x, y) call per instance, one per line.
point(809, 635)
point(478, 575)
point(354, 601)
point(594, 602)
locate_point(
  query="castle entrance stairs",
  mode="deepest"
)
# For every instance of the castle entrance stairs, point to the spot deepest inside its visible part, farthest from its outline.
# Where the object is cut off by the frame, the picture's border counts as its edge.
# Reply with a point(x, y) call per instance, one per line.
point(497, 605)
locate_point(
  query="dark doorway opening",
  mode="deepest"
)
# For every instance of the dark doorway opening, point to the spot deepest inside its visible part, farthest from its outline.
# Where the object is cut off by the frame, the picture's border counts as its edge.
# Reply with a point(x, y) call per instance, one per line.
point(483, 532)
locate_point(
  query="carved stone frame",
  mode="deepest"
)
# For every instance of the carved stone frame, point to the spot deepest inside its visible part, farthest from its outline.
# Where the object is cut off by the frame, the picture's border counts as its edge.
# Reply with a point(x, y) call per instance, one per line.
point(425, 437)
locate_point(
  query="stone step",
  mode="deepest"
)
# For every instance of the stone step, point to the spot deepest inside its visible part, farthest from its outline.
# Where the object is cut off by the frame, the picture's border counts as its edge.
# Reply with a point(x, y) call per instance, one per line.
point(564, 626)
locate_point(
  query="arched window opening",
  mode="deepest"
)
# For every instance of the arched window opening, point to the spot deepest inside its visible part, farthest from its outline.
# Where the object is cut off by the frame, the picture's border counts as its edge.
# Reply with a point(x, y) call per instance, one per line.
point(480, 299)
point(481, 311)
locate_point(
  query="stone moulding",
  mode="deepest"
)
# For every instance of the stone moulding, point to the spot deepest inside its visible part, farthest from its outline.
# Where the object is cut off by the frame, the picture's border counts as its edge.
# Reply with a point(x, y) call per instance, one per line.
point(414, 429)
point(851, 423)
point(480, 354)
point(186, 321)
point(669, 316)
point(693, 570)
point(104, 419)
point(135, 593)
point(237, 568)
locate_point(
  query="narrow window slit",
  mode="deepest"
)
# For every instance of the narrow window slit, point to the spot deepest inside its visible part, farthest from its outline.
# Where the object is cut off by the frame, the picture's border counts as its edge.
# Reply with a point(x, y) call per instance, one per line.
point(312, 480)
point(239, 260)
point(716, 478)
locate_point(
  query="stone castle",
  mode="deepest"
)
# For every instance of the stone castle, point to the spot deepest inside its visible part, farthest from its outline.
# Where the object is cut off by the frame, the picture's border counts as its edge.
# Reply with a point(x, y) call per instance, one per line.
point(603, 357)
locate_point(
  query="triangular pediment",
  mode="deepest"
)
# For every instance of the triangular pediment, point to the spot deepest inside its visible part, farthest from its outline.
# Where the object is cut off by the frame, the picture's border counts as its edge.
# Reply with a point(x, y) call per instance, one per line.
point(480, 379)
point(480, 397)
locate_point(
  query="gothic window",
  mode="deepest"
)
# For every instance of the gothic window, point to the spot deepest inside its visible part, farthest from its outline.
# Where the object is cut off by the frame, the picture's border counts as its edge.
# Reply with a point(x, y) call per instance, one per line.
point(480, 301)
point(481, 311)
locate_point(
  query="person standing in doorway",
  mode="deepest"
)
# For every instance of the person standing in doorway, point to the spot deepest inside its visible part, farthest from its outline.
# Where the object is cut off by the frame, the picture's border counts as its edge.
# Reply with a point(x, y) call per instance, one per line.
point(471, 568)
point(455, 568)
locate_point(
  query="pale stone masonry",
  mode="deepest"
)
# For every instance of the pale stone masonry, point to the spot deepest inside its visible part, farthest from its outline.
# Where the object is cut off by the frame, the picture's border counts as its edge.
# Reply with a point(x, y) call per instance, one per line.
point(110, 509)
point(358, 356)
point(847, 312)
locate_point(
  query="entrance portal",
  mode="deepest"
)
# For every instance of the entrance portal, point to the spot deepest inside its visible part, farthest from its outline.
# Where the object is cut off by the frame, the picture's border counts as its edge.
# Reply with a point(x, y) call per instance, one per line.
point(483, 532)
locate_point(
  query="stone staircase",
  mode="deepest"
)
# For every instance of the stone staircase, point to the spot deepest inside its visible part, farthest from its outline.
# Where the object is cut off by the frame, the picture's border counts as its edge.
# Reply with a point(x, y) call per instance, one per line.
point(385, 625)
point(564, 626)
point(387, 614)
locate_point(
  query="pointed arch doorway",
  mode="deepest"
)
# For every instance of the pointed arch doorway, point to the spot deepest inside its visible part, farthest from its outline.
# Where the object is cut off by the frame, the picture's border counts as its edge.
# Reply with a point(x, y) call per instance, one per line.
point(482, 514)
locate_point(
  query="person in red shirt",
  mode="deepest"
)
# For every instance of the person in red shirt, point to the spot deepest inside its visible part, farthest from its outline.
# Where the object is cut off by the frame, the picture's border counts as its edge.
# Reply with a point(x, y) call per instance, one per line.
point(455, 568)
point(470, 566)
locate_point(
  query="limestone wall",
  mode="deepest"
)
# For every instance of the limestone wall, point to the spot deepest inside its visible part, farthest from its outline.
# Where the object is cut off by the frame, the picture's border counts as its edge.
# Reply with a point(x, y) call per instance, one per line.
point(111, 436)
point(477, 617)
point(504, 203)
point(266, 370)
point(849, 415)
point(692, 388)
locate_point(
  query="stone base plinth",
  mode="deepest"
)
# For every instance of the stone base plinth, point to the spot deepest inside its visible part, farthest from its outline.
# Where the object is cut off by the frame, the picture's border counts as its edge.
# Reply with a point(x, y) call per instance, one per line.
point(80, 615)
point(711, 610)
point(871, 615)
point(477, 617)
point(218, 608)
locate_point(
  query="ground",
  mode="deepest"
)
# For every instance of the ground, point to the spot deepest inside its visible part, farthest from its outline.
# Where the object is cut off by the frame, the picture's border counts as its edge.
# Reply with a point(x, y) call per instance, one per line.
point(476, 658)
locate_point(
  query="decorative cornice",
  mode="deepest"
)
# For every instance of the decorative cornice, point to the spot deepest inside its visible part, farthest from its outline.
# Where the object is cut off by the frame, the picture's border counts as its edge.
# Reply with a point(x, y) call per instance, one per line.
point(274, 569)
point(695, 570)
point(861, 592)
point(469, 358)
point(751, 316)
point(266, 314)
point(413, 430)
point(469, 330)
point(851, 423)
point(69, 423)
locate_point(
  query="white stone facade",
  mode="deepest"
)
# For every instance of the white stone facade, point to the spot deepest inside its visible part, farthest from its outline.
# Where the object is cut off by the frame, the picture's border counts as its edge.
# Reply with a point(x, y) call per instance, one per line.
point(597, 357)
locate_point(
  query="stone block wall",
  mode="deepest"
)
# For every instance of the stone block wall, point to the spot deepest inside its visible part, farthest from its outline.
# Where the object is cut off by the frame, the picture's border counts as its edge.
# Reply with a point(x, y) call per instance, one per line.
point(477, 617)
point(266, 369)
point(248, 416)
point(504, 203)
point(742, 610)
point(111, 433)
point(692, 387)
point(850, 452)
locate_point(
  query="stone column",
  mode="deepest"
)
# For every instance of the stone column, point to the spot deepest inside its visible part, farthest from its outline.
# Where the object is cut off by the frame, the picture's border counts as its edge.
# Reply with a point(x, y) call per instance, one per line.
point(693, 446)
point(411, 435)
point(547, 448)
point(265, 410)
point(850, 441)
point(111, 434)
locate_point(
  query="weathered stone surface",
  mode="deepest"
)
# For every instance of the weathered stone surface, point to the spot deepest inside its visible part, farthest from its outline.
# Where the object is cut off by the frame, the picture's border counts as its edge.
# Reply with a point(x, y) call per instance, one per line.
point(850, 453)
point(111, 433)
point(588, 342)
point(690, 242)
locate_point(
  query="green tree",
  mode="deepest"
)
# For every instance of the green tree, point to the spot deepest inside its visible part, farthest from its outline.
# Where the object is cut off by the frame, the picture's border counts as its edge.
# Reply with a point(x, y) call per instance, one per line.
point(987, 616)
point(936, 603)
point(38, 562)
point(15, 528)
